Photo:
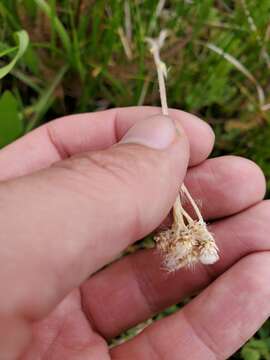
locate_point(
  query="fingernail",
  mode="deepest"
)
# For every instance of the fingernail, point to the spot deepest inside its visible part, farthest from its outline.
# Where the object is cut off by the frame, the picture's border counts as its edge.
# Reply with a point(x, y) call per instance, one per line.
point(156, 132)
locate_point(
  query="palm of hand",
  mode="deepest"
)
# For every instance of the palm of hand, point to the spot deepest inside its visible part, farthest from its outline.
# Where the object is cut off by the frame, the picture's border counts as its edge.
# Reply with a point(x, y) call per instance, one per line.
point(67, 334)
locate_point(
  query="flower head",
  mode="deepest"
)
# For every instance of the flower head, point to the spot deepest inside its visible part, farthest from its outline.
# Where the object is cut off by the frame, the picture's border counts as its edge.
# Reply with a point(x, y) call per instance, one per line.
point(187, 246)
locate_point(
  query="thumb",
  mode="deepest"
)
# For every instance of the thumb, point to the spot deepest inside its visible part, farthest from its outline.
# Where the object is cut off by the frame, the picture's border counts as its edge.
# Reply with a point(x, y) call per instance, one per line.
point(130, 187)
point(74, 217)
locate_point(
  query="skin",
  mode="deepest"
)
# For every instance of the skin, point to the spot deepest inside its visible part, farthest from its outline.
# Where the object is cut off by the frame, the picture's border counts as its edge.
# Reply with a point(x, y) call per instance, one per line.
point(69, 207)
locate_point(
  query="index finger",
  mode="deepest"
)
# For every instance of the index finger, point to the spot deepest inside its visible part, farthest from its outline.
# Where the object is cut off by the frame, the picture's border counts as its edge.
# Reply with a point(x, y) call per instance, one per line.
point(74, 134)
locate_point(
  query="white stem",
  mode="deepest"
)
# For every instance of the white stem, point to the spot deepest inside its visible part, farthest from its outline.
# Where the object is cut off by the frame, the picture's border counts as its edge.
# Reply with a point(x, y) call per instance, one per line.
point(177, 213)
point(193, 203)
point(186, 215)
point(161, 70)
point(155, 45)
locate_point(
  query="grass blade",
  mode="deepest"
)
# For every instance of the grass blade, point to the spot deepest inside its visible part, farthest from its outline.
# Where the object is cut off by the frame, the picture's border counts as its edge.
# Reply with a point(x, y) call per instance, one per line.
point(63, 34)
point(44, 101)
point(239, 66)
point(23, 41)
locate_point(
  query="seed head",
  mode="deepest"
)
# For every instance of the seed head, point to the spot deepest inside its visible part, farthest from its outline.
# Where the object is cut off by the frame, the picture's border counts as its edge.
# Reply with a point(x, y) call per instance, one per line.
point(209, 255)
point(206, 246)
point(187, 246)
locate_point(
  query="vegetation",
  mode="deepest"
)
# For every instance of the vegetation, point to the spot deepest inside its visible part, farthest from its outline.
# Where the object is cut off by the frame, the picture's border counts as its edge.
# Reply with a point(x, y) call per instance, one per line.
point(68, 56)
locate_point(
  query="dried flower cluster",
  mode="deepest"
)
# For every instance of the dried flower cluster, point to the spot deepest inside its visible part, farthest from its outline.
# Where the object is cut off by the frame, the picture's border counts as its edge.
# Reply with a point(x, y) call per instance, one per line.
point(188, 241)
point(187, 246)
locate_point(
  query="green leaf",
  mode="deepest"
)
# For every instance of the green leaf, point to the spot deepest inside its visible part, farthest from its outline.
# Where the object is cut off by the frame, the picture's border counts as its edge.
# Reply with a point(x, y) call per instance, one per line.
point(264, 332)
point(250, 354)
point(7, 51)
point(31, 59)
point(23, 41)
point(11, 126)
point(7, 14)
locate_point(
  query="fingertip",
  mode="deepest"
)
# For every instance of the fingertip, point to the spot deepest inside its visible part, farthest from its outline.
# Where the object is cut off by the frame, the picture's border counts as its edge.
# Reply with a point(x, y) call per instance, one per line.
point(251, 176)
point(240, 178)
point(200, 135)
point(160, 132)
point(157, 132)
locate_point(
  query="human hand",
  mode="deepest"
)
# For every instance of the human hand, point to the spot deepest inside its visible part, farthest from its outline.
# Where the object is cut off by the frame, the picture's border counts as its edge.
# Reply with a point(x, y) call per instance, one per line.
point(62, 220)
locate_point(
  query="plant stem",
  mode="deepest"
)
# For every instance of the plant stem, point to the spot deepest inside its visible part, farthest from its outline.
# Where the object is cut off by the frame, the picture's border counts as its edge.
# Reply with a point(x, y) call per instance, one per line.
point(193, 203)
point(178, 211)
point(177, 214)
point(161, 72)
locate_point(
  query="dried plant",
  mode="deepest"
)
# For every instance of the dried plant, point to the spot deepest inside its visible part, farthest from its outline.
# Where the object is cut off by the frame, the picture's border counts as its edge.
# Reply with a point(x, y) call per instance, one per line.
point(188, 241)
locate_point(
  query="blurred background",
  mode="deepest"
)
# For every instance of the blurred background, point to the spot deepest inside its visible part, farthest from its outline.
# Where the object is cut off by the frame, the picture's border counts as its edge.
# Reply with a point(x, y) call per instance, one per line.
point(69, 56)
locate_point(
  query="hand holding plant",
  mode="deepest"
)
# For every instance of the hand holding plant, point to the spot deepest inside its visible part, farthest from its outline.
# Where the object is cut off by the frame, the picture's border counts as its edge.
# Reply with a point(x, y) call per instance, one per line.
point(83, 188)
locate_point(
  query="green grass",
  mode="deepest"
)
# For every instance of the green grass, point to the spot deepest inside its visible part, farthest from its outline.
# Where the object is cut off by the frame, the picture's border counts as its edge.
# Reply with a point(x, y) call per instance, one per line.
point(76, 62)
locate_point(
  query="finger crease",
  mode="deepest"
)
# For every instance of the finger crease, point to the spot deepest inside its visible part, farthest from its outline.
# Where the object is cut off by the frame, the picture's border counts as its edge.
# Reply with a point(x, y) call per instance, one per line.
point(58, 146)
point(145, 288)
point(206, 340)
